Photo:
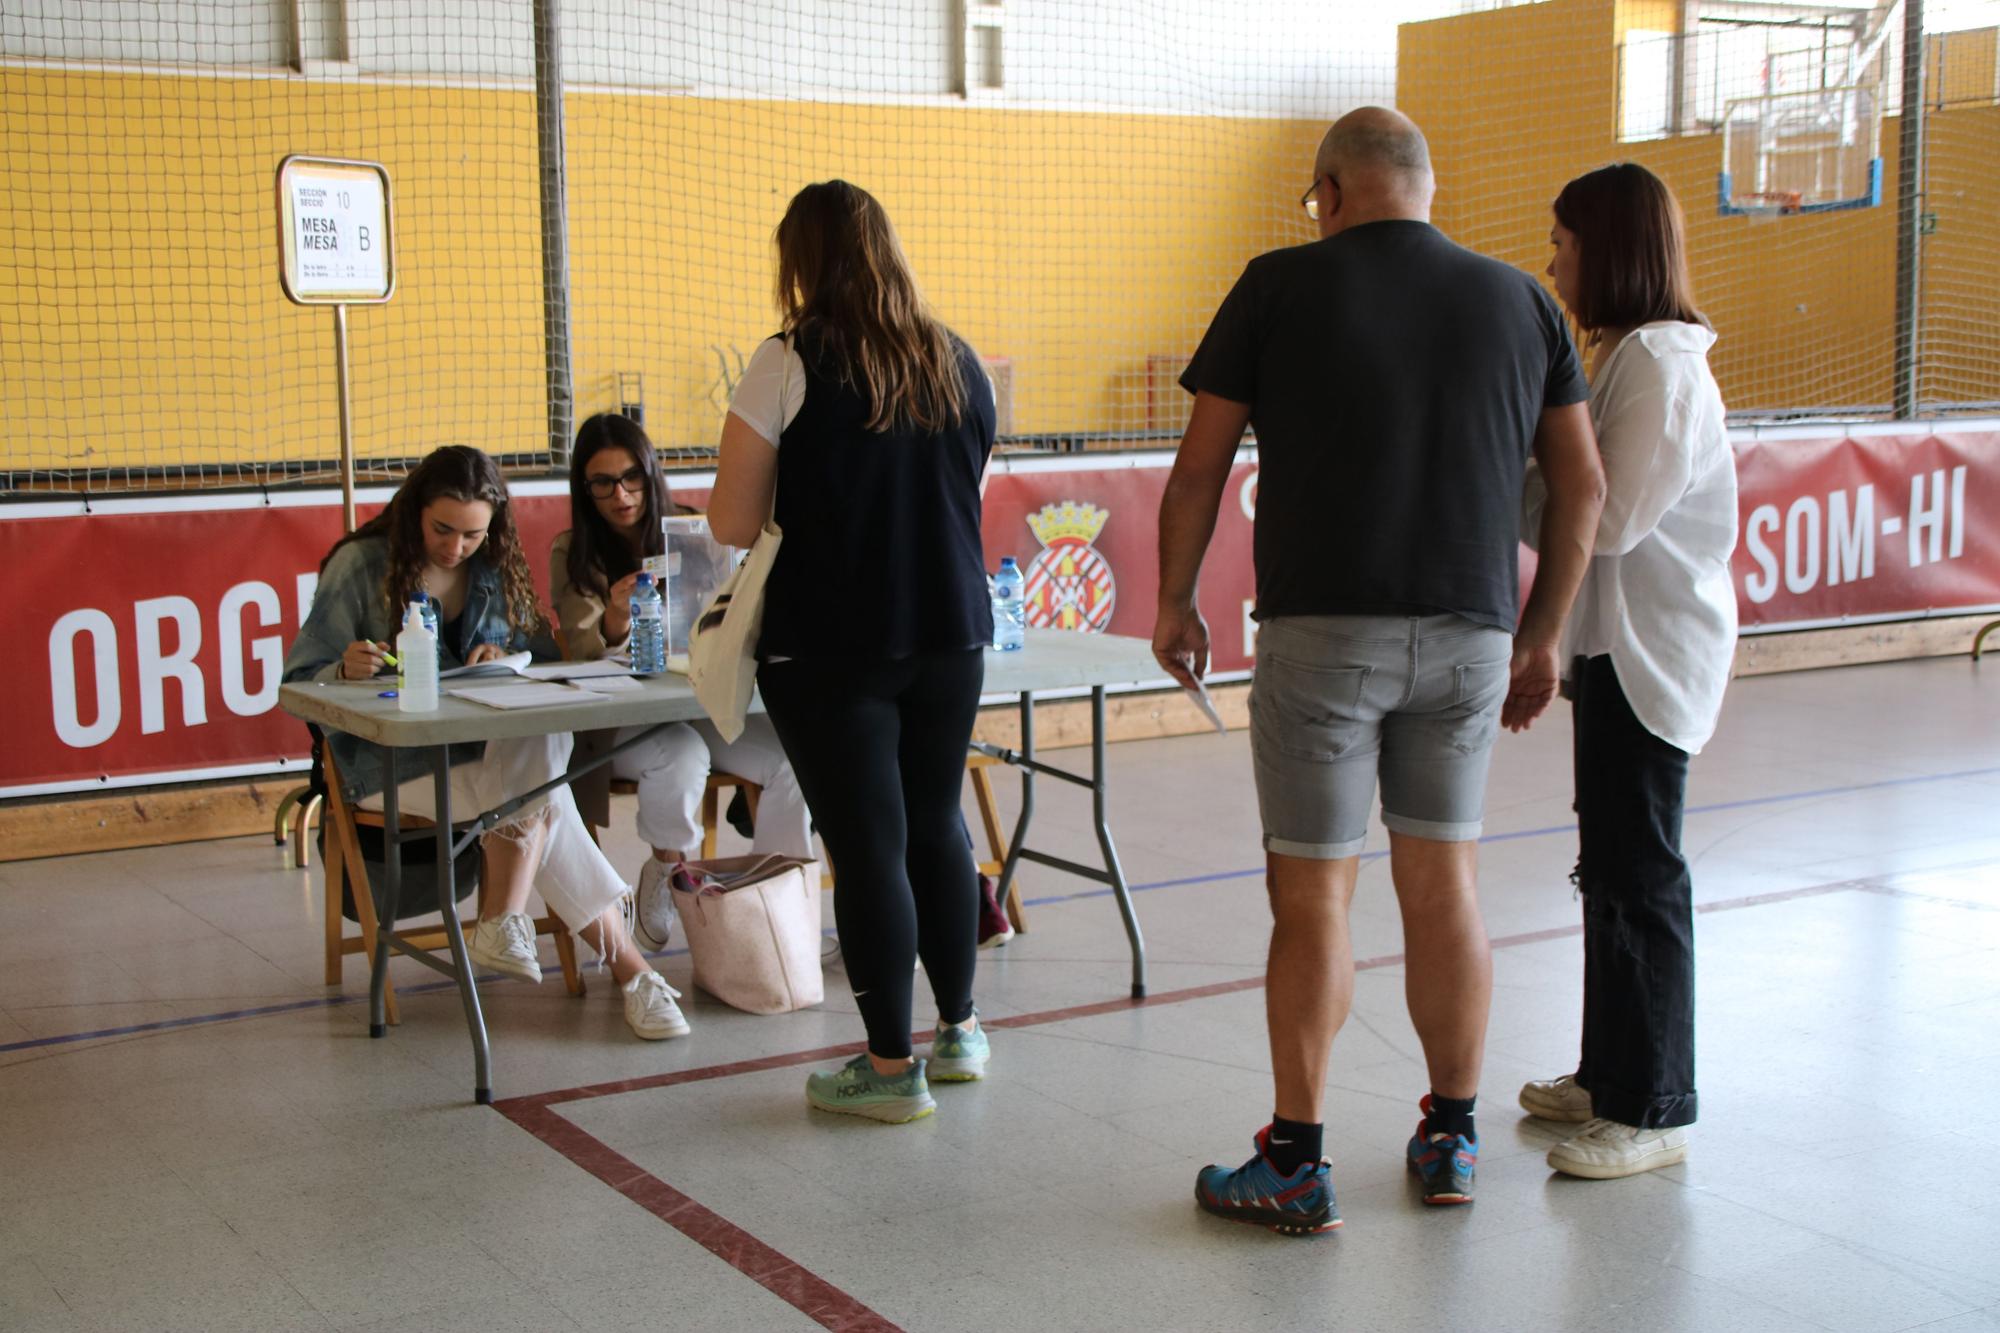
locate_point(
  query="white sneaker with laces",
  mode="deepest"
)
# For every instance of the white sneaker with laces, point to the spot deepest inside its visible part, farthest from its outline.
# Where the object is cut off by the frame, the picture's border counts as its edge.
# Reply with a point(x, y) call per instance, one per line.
point(1556, 1099)
point(1607, 1150)
point(653, 905)
point(507, 944)
point(650, 1010)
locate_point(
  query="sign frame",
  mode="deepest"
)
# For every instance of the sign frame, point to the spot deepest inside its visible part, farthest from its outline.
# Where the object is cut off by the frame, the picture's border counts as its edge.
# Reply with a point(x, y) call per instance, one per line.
point(288, 258)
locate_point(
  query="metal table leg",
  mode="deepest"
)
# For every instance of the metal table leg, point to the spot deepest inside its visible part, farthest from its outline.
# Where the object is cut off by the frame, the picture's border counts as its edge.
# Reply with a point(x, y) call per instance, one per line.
point(1024, 760)
point(1113, 871)
point(385, 911)
point(1112, 866)
point(386, 938)
point(447, 890)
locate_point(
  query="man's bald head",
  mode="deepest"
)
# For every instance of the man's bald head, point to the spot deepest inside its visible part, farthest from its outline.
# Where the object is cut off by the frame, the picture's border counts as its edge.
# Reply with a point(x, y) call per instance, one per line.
point(1381, 163)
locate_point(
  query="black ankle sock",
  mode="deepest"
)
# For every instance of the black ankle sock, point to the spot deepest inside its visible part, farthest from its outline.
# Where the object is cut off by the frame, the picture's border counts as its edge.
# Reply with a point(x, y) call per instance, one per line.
point(1292, 1144)
point(1451, 1115)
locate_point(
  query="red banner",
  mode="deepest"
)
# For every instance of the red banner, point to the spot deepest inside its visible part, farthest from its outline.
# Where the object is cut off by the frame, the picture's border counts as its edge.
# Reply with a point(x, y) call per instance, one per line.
point(1866, 526)
point(146, 639)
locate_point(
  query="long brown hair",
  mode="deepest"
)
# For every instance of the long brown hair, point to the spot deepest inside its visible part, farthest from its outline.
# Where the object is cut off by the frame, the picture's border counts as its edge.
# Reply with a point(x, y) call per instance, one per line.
point(462, 473)
point(1632, 249)
point(598, 556)
point(843, 276)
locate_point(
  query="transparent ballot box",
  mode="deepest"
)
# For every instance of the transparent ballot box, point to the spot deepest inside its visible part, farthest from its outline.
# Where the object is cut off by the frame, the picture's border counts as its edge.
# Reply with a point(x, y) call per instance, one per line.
point(690, 574)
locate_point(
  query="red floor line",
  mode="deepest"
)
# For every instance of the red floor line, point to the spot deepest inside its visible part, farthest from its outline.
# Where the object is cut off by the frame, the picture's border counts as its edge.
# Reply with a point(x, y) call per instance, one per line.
point(764, 1063)
point(807, 1292)
point(803, 1289)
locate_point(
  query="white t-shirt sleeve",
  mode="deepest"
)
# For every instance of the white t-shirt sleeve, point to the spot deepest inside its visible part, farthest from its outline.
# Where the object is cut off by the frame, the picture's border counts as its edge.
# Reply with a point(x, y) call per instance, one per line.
point(772, 390)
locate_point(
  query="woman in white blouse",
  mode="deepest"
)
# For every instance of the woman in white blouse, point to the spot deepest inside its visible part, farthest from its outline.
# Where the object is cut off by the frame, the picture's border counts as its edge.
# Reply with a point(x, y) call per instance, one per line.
point(1649, 646)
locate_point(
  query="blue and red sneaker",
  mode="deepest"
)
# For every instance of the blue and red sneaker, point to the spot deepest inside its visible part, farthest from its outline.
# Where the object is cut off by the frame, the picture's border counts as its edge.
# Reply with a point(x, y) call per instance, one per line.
point(1301, 1204)
point(1444, 1163)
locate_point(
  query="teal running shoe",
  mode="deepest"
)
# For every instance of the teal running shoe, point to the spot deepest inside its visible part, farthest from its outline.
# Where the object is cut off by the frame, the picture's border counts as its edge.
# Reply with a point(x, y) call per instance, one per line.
point(856, 1089)
point(1442, 1163)
point(1301, 1204)
point(958, 1056)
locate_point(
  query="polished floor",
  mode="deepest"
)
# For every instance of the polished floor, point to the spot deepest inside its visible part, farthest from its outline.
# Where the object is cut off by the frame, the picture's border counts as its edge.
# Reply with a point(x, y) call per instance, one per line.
point(195, 1134)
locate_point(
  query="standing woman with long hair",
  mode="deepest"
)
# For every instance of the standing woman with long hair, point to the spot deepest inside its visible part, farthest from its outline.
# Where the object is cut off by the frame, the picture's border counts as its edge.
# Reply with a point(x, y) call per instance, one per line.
point(617, 497)
point(448, 537)
point(870, 423)
point(1650, 645)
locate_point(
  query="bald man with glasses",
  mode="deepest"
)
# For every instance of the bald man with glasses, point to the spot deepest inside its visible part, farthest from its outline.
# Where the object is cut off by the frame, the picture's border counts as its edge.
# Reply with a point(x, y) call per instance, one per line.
point(1397, 384)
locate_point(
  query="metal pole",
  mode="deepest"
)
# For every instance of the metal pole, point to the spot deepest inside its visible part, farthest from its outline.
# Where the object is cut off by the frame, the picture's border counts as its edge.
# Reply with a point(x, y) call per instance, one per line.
point(1909, 209)
point(555, 223)
point(346, 417)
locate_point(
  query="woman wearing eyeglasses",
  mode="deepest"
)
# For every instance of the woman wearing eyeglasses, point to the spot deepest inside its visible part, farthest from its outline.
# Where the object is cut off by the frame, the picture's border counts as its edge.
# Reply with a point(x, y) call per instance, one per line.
point(617, 496)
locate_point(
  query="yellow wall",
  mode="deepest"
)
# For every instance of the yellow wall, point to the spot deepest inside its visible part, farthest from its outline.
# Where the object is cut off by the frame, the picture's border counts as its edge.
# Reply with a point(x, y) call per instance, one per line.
point(145, 325)
point(1963, 67)
point(1517, 101)
point(1646, 15)
point(141, 322)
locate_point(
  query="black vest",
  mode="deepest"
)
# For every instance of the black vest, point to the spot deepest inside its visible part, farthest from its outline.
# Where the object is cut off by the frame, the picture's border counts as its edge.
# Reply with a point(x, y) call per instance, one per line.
point(881, 557)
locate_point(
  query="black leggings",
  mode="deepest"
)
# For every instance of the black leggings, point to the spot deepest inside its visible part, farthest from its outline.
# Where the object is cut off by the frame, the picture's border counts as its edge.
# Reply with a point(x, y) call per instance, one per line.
point(879, 749)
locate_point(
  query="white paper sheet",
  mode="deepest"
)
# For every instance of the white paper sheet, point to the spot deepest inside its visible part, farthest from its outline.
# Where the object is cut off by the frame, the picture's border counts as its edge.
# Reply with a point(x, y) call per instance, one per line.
point(576, 670)
point(1207, 706)
point(526, 694)
point(608, 684)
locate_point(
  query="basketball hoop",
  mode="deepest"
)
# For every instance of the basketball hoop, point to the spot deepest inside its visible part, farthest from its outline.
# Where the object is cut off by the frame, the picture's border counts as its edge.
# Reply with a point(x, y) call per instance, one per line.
point(1779, 201)
point(1770, 205)
point(1814, 151)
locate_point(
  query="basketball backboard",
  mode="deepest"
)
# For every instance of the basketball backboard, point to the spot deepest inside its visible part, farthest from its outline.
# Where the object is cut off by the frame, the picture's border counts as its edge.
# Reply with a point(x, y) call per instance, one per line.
point(1814, 151)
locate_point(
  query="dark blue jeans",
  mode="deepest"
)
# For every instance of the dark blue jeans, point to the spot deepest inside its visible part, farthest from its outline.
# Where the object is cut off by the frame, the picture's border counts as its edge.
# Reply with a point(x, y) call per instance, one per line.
point(1638, 911)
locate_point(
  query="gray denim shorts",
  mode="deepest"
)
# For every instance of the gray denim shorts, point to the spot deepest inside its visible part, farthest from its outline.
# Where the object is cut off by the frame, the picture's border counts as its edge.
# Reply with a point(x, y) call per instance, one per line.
point(1337, 699)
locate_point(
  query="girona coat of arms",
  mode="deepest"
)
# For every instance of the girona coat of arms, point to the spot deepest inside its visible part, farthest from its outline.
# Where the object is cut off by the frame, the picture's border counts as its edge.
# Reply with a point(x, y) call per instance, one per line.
point(1068, 582)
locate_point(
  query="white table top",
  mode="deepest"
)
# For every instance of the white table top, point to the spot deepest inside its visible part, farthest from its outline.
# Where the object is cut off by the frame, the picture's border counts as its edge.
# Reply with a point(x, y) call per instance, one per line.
point(1052, 660)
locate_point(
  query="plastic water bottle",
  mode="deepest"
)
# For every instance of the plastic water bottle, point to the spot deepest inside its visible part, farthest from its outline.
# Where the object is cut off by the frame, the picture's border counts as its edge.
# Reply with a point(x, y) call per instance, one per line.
point(649, 629)
point(1010, 612)
point(437, 633)
point(417, 660)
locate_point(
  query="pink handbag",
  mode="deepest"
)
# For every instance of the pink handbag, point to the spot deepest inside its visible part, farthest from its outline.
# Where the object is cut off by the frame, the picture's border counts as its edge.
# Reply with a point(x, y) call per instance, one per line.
point(753, 929)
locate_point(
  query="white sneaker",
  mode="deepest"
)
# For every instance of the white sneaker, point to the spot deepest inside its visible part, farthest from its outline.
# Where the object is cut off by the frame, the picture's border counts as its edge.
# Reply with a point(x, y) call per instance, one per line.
point(1607, 1150)
point(650, 1010)
point(507, 944)
point(1556, 1099)
point(653, 906)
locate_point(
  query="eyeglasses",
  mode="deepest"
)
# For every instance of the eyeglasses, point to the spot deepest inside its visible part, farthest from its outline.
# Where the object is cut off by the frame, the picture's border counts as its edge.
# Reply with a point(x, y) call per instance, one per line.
point(632, 482)
point(1309, 201)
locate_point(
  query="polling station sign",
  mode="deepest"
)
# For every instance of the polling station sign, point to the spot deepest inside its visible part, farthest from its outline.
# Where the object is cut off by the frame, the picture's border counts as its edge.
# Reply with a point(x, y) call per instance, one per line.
point(336, 243)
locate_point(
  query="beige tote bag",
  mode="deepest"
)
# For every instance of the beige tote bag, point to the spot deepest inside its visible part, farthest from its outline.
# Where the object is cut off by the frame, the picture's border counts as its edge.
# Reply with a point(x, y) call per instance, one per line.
point(753, 929)
point(722, 651)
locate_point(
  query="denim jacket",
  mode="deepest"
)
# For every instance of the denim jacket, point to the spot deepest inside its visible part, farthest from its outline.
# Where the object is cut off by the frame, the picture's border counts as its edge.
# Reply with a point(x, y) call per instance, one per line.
point(348, 605)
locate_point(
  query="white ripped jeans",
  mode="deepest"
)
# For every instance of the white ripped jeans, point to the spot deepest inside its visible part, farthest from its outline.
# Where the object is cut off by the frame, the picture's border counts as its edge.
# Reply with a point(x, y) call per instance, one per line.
point(672, 771)
point(573, 878)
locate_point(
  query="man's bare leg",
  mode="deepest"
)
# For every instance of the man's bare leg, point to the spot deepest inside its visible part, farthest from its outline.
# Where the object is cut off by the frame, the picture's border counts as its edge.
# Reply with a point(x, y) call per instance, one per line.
point(1448, 977)
point(1310, 982)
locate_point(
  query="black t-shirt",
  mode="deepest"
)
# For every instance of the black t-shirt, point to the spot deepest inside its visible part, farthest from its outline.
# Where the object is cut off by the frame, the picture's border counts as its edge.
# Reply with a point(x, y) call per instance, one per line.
point(1395, 381)
point(881, 556)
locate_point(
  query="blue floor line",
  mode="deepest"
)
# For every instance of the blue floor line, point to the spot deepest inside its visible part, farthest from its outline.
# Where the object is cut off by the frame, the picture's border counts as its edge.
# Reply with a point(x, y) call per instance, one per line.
point(293, 1006)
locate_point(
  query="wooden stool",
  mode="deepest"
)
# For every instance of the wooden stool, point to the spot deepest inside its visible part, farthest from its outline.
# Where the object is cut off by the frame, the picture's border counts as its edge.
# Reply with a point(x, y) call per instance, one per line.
point(996, 840)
